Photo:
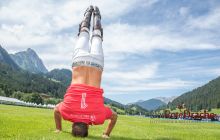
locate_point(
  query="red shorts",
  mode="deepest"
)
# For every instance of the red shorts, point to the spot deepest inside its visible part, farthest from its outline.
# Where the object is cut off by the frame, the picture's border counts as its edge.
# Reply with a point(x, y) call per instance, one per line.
point(83, 103)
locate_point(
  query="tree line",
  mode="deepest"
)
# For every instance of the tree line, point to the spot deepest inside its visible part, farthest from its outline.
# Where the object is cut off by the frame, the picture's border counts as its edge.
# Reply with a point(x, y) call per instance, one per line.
point(205, 97)
point(19, 80)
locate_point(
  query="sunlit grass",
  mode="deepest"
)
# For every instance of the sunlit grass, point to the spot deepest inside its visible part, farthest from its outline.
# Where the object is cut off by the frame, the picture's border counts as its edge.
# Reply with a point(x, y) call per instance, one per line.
point(23, 123)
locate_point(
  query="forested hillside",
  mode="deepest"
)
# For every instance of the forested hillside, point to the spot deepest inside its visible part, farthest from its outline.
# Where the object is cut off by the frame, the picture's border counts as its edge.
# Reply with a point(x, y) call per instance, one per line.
point(18, 80)
point(61, 75)
point(205, 97)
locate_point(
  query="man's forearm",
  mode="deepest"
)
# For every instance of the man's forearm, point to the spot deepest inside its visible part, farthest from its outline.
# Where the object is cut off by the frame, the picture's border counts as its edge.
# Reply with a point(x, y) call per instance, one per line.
point(58, 119)
point(111, 124)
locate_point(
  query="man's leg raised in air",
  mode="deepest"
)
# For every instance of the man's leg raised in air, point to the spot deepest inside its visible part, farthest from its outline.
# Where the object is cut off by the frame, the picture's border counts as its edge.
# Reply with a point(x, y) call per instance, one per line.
point(96, 49)
point(97, 36)
point(82, 45)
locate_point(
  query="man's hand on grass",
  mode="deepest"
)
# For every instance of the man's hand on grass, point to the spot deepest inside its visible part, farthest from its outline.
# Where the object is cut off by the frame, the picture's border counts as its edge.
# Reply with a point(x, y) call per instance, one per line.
point(110, 126)
point(57, 131)
point(104, 136)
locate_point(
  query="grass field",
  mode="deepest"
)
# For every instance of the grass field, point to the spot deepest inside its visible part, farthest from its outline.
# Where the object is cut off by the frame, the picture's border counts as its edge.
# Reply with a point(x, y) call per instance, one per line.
point(215, 110)
point(23, 123)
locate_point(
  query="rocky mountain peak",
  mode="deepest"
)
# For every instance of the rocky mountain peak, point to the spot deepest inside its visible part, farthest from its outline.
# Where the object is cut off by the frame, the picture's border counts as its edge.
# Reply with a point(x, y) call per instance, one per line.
point(30, 61)
point(5, 58)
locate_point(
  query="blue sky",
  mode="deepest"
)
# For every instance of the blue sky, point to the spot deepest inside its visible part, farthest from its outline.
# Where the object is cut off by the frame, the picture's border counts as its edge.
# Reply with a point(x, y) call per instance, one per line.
point(152, 48)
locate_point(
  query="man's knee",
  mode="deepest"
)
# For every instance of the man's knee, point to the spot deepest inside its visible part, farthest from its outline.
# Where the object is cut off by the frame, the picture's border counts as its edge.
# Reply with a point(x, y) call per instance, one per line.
point(114, 115)
point(56, 108)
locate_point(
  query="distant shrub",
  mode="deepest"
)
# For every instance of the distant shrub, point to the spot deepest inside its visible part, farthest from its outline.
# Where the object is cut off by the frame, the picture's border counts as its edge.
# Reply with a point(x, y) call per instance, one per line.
point(17, 95)
point(33, 98)
point(52, 101)
point(218, 105)
point(2, 92)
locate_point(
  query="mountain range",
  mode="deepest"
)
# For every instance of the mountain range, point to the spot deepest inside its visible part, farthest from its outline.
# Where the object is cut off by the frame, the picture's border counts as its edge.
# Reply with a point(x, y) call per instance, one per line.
point(30, 61)
point(166, 99)
point(29, 79)
point(151, 104)
point(155, 103)
point(5, 58)
point(24, 71)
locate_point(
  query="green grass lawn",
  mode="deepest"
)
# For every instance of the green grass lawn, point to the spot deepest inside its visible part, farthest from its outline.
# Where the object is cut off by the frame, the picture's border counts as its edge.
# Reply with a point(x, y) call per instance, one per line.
point(24, 123)
point(215, 110)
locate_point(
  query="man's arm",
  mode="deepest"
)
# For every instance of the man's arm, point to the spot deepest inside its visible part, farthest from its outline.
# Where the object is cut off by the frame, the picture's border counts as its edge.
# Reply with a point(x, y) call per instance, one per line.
point(58, 119)
point(111, 125)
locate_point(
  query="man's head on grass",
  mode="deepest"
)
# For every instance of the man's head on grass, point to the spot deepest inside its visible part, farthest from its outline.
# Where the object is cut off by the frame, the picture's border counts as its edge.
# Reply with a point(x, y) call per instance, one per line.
point(80, 129)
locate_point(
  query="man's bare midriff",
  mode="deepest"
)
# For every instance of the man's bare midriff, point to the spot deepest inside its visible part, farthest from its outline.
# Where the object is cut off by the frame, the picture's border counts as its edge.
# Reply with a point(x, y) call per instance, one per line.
point(86, 75)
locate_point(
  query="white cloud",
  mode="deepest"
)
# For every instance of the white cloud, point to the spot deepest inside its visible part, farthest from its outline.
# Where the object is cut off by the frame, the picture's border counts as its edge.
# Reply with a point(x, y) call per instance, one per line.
point(39, 24)
point(217, 71)
point(184, 11)
point(142, 78)
point(16, 36)
point(148, 3)
point(139, 73)
point(162, 85)
point(27, 24)
point(141, 39)
point(209, 21)
point(213, 71)
point(48, 16)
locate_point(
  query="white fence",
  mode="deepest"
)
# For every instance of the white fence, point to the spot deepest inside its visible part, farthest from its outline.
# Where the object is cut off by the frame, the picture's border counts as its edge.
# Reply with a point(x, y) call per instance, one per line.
point(13, 101)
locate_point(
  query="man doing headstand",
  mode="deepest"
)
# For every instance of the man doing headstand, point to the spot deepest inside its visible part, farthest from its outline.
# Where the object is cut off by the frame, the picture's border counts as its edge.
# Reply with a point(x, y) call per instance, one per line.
point(83, 102)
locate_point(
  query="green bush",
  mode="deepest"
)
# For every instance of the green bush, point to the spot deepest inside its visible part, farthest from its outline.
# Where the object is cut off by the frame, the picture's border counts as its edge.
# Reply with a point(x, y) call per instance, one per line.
point(2, 92)
point(52, 101)
point(218, 105)
point(33, 98)
point(17, 95)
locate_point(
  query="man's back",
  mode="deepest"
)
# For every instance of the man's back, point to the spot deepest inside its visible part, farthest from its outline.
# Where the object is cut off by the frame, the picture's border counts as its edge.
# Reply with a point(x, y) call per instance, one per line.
point(86, 75)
